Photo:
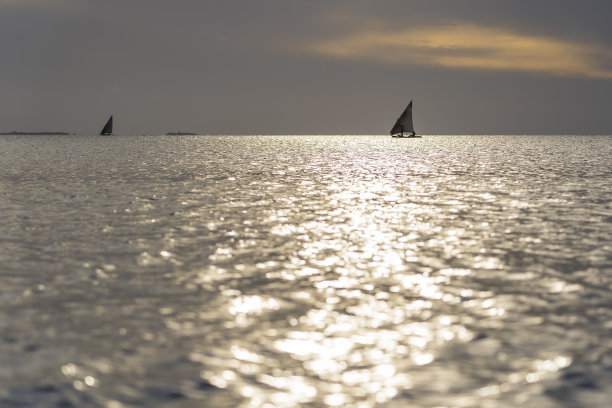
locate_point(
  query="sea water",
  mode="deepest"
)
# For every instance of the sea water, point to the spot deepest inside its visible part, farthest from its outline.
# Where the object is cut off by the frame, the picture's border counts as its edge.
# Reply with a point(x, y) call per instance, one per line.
point(317, 271)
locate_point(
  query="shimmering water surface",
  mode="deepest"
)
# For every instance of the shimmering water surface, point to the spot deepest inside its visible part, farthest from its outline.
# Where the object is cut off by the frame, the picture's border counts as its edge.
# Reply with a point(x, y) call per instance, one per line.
point(341, 271)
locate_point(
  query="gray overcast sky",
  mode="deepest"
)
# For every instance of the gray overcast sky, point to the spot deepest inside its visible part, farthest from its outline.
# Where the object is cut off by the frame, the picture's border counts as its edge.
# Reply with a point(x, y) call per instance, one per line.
point(296, 67)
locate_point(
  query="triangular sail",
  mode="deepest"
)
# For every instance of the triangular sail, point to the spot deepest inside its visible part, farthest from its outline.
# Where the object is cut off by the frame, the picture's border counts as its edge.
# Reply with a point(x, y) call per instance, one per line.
point(108, 128)
point(404, 122)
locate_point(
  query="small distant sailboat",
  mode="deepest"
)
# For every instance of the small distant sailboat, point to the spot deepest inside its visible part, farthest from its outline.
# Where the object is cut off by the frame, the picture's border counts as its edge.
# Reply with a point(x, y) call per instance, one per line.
point(403, 124)
point(108, 128)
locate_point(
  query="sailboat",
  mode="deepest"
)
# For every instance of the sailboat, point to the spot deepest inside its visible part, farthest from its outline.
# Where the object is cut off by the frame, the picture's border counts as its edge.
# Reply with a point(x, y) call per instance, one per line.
point(108, 128)
point(404, 124)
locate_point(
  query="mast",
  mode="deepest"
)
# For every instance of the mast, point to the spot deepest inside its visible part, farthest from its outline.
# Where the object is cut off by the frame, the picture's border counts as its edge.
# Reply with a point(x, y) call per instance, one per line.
point(108, 128)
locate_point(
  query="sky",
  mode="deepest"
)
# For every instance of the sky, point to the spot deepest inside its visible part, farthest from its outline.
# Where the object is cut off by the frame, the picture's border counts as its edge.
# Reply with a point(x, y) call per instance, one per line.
point(306, 67)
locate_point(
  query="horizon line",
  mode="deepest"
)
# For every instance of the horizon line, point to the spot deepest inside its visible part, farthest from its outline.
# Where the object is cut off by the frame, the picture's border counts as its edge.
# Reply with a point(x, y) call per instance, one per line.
point(64, 133)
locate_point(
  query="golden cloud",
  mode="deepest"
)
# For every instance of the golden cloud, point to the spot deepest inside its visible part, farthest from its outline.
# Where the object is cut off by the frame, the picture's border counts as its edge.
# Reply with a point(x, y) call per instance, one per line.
point(472, 47)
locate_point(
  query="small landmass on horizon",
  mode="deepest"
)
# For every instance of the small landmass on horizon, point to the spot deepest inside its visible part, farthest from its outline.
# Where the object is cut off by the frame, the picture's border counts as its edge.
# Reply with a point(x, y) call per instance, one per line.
point(15, 133)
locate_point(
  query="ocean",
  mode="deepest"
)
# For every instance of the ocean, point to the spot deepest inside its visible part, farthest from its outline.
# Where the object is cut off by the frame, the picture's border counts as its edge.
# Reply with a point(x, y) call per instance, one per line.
point(312, 271)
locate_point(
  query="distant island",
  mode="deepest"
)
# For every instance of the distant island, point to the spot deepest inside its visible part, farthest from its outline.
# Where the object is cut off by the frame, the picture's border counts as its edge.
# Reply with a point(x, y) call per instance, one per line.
point(34, 133)
point(180, 134)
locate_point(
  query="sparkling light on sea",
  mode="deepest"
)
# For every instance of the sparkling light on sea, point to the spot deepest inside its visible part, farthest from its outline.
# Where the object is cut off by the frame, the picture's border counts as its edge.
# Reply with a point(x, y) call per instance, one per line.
point(315, 271)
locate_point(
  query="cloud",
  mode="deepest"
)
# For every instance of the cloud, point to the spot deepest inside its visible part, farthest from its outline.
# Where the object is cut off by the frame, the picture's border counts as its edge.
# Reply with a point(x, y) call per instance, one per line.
point(469, 46)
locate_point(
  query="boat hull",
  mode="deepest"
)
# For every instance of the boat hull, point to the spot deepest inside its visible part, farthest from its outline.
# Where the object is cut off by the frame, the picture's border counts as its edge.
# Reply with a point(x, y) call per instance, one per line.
point(406, 137)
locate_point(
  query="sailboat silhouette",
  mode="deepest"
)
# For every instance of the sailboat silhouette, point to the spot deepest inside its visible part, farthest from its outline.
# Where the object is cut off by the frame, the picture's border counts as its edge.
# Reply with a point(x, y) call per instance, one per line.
point(404, 124)
point(108, 128)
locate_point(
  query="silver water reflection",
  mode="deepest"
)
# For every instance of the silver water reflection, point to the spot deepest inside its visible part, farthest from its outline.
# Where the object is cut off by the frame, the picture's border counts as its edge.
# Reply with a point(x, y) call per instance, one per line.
point(319, 271)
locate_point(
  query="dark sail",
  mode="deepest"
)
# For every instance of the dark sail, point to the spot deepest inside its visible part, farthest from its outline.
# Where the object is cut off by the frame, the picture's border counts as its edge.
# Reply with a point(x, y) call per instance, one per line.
point(404, 122)
point(108, 128)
